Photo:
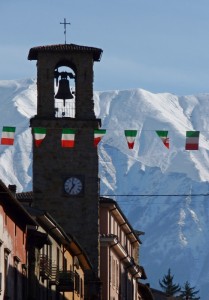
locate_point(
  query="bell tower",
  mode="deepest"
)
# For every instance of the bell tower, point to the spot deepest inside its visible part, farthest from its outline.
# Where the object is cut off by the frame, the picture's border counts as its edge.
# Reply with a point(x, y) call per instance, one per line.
point(65, 179)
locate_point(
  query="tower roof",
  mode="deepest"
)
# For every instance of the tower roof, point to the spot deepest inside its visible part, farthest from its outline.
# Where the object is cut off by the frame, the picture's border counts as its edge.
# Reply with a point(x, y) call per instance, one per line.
point(33, 53)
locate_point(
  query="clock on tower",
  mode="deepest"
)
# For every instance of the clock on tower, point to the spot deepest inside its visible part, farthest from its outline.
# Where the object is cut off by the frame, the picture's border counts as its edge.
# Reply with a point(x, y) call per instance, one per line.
point(74, 186)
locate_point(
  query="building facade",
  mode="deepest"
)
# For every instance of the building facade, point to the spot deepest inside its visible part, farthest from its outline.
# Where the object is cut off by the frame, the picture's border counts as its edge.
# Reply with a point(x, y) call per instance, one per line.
point(14, 225)
point(120, 269)
point(56, 261)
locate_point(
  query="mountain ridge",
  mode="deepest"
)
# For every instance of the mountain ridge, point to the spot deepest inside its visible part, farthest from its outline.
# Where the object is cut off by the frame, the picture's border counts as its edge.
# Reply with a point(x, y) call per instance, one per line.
point(163, 192)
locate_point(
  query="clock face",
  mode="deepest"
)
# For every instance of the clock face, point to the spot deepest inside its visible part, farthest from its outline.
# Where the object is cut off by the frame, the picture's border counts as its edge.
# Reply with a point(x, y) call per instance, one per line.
point(73, 186)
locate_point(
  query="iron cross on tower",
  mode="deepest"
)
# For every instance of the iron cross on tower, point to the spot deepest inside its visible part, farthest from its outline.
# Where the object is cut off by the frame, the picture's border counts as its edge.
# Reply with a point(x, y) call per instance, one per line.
point(65, 23)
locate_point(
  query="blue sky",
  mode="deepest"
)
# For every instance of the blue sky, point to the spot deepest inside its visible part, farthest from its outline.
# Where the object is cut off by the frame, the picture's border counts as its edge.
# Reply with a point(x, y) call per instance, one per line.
point(156, 45)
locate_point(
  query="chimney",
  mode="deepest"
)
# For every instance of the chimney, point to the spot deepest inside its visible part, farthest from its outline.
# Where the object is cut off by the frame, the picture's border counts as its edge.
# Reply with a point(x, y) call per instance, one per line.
point(12, 188)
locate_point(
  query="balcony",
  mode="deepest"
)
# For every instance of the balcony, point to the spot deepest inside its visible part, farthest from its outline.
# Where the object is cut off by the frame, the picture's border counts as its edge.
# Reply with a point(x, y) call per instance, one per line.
point(65, 281)
point(45, 267)
point(54, 275)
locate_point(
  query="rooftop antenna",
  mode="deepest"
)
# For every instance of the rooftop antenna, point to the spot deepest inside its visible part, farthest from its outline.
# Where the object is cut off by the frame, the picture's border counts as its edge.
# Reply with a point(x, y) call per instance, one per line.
point(65, 23)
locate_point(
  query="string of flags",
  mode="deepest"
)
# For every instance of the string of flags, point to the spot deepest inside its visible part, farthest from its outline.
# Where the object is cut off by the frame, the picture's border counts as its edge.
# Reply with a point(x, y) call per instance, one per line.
point(68, 137)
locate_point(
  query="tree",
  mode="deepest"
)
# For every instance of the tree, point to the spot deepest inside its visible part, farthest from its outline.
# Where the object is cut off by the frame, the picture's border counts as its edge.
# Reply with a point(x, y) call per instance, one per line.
point(168, 286)
point(188, 292)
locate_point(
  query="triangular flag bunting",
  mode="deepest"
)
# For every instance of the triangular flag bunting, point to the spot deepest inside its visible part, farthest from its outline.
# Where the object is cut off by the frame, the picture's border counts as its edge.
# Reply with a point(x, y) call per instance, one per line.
point(98, 135)
point(68, 137)
point(163, 136)
point(8, 134)
point(130, 137)
point(192, 140)
point(39, 135)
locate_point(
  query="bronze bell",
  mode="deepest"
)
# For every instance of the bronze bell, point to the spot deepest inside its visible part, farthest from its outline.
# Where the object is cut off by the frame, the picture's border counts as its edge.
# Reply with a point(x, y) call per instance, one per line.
point(64, 91)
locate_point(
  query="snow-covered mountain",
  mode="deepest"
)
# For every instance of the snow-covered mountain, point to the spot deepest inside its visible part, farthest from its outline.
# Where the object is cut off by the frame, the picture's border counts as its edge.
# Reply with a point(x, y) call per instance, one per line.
point(164, 193)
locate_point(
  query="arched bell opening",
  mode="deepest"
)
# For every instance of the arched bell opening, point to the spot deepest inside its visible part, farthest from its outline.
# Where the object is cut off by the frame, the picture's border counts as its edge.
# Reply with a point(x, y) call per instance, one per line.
point(64, 92)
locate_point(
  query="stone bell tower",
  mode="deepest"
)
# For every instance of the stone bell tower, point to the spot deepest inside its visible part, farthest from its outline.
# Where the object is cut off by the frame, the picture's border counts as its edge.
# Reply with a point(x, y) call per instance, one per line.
point(65, 179)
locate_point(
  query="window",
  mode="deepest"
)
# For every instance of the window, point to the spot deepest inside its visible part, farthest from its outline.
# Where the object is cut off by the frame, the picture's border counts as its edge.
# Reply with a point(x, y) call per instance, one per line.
point(58, 258)
point(117, 275)
point(24, 282)
point(23, 238)
point(15, 289)
point(122, 238)
point(113, 271)
point(5, 219)
point(77, 283)
point(64, 263)
point(6, 266)
point(110, 270)
point(81, 287)
point(128, 248)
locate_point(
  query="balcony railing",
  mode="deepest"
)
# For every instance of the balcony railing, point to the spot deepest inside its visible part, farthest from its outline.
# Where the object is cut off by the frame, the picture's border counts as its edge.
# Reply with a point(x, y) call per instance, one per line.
point(67, 110)
point(66, 281)
point(54, 275)
point(45, 267)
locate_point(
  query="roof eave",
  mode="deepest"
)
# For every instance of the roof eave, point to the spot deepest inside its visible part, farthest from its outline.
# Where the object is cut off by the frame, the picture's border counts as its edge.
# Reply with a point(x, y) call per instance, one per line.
point(34, 52)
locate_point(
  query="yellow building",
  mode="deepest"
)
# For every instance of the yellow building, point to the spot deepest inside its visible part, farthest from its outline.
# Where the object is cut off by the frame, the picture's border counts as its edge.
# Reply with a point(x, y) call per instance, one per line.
point(57, 262)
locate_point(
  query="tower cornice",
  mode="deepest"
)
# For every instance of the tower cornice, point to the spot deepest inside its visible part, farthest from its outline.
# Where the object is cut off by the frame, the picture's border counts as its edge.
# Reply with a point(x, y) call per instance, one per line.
point(33, 52)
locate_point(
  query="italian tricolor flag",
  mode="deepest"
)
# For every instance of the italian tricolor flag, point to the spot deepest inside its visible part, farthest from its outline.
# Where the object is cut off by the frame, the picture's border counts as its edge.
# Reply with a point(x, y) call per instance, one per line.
point(8, 134)
point(130, 137)
point(68, 137)
point(39, 135)
point(163, 136)
point(98, 135)
point(192, 140)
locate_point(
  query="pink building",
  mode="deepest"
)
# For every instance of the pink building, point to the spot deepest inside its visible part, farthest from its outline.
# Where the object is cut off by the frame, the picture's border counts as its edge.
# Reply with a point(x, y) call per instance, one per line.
point(14, 221)
point(119, 255)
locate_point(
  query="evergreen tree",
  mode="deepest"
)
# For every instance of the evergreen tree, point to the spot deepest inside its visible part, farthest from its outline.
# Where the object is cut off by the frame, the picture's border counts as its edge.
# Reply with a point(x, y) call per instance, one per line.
point(188, 292)
point(168, 286)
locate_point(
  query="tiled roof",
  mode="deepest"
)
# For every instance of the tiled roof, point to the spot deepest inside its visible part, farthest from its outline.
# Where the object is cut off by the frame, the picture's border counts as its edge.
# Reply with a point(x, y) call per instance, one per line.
point(25, 196)
point(33, 53)
point(108, 235)
point(9, 201)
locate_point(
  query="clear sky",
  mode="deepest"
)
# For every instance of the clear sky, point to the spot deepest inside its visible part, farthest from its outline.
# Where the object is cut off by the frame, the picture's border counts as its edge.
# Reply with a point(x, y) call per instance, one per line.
point(156, 45)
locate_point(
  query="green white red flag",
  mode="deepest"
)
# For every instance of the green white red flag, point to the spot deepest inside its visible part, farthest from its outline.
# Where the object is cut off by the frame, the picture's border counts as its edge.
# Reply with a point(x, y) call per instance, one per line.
point(98, 135)
point(7, 137)
point(68, 137)
point(130, 137)
point(192, 140)
point(163, 136)
point(39, 135)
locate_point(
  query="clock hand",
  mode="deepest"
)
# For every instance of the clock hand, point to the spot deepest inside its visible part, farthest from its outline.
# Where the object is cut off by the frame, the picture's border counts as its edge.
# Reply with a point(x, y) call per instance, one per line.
point(73, 184)
point(72, 187)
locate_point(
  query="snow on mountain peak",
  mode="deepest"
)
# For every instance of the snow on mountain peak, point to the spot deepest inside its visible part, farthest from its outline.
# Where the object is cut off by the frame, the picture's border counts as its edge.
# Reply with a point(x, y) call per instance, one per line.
point(162, 191)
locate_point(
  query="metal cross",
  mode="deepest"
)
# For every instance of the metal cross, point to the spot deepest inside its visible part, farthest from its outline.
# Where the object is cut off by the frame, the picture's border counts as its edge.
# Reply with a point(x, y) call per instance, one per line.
point(65, 23)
